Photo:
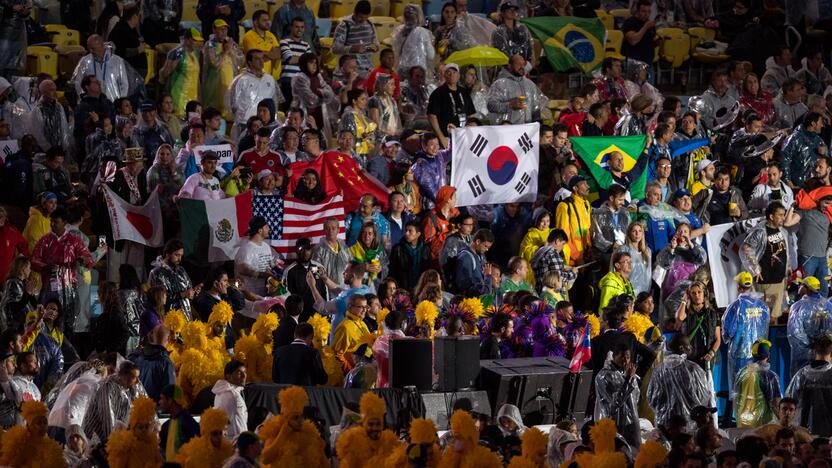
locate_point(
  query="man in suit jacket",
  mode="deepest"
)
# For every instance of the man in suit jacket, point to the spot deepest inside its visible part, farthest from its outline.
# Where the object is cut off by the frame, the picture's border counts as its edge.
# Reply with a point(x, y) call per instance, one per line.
point(285, 331)
point(299, 363)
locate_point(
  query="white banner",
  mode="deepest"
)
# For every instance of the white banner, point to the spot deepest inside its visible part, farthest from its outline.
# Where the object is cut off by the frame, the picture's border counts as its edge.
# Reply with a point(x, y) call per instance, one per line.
point(225, 153)
point(726, 239)
point(496, 164)
point(140, 224)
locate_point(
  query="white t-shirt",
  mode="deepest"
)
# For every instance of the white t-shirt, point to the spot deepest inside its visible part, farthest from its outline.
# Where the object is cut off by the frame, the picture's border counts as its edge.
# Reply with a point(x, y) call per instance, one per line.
point(259, 258)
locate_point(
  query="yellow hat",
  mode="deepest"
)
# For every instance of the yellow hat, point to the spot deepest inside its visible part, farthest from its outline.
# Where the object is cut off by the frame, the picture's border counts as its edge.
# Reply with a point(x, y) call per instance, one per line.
point(812, 283)
point(372, 406)
point(220, 23)
point(193, 33)
point(745, 279)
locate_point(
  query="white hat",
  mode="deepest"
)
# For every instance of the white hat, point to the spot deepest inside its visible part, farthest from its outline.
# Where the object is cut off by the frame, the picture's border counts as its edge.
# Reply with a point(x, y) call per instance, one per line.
point(263, 173)
point(452, 65)
point(703, 164)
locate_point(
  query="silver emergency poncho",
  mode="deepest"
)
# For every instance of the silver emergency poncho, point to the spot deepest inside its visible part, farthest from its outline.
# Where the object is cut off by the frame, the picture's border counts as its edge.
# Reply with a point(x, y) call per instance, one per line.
point(754, 246)
point(413, 44)
point(677, 386)
point(118, 79)
point(812, 388)
point(709, 103)
point(799, 155)
point(175, 281)
point(617, 396)
point(810, 319)
point(507, 87)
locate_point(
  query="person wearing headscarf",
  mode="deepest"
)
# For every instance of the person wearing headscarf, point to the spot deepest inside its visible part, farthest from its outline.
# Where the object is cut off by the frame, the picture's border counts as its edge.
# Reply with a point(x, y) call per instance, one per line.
point(211, 448)
point(312, 95)
point(29, 446)
point(165, 175)
point(289, 438)
point(756, 391)
point(412, 44)
point(383, 108)
point(137, 446)
point(368, 444)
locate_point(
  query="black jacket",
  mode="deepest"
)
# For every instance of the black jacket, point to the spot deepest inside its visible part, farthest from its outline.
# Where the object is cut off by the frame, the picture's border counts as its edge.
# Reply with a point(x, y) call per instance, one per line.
point(298, 364)
point(88, 104)
point(204, 302)
point(404, 268)
point(605, 342)
point(285, 332)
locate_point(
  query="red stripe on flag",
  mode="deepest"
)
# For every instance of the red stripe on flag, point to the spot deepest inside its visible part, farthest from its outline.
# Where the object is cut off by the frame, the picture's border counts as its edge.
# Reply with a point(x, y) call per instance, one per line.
point(244, 211)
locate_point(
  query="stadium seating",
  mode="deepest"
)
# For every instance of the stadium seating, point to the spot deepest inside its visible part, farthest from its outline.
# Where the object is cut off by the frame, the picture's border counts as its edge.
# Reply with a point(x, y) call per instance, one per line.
point(607, 19)
point(699, 35)
point(384, 26)
point(40, 59)
point(674, 50)
point(341, 8)
point(68, 58)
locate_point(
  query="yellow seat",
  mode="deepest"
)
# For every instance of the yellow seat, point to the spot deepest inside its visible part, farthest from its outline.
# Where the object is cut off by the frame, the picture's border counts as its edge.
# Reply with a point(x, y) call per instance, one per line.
point(397, 7)
point(341, 8)
point(314, 5)
point(328, 59)
point(151, 65)
point(622, 13)
point(66, 37)
point(254, 5)
point(189, 10)
point(607, 19)
point(384, 26)
point(50, 28)
point(41, 59)
point(380, 8)
point(699, 35)
point(674, 49)
point(612, 45)
point(68, 58)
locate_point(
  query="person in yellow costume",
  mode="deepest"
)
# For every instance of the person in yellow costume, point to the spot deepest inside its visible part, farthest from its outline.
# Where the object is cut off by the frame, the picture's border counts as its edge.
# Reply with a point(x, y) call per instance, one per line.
point(368, 444)
point(138, 445)
point(533, 450)
point(466, 450)
point(210, 449)
point(289, 439)
point(573, 216)
point(332, 366)
point(200, 366)
point(222, 59)
point(255, 349)
point(535, 238)
point(350, 333)
point(423, 449)
point(181, 71)
point(175, 321)
point(29, 446)
point(218, 321)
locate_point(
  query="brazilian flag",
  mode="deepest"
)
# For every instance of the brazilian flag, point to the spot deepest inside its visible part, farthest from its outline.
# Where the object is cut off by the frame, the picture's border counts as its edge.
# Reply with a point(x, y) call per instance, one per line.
point(593, 151)
point(570, 42)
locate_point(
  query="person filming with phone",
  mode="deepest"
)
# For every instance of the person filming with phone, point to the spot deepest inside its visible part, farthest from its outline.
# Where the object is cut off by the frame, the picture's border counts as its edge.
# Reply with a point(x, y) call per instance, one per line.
point(295, 277)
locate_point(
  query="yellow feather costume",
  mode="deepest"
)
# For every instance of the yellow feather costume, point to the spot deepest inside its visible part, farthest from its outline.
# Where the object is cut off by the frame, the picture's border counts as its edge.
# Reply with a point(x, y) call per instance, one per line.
point(199, 452)
point(534, 449)
point(285, 446)
point(422, 433)
point(175, 321)
point(651, 454)
point(200, 365)
point(473, 455)
point(603, 439)
point(355, 448)
point(426, 313)
point(133, 447)
point(255, 349)
point(22, 448)
point(220, 313)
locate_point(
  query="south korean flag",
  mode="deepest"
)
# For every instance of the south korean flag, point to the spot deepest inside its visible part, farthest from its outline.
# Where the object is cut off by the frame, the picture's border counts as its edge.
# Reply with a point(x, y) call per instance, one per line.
point(496, 164)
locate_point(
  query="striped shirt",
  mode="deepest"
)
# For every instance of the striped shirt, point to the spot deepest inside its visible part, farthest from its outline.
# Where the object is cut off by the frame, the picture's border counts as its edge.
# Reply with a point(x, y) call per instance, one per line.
point(348, 34)
point(291, 48)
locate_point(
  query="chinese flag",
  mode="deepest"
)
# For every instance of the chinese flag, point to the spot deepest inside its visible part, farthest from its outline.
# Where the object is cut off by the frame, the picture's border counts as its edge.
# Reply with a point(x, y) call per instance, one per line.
point(340, 173)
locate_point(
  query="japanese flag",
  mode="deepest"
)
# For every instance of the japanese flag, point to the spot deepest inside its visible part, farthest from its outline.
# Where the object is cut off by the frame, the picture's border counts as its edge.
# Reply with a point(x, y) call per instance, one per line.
point(137, 223)
point(496, 164)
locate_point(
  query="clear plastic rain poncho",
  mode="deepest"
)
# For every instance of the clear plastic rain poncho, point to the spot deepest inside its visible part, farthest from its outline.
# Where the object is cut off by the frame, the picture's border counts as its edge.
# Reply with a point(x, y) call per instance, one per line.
point(175, 281)
point(754, 247)
point(246, 91)
point(413, 44)
point(799, 155)
point(13, 36)
point(617, 396)
point(677, 386)
point(810, 319)
point(118, 79)
point(636, 83)
point(14, 112)
point(745, 321)
point(812, 387)
point(75, 371)
point(507, 87)
point(756, 387)
point(679, 263)
point(708, 103)
point(478, 29)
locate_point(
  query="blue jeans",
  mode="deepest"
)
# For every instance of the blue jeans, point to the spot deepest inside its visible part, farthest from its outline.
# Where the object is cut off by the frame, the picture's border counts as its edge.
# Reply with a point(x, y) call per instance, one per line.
point(817, 267)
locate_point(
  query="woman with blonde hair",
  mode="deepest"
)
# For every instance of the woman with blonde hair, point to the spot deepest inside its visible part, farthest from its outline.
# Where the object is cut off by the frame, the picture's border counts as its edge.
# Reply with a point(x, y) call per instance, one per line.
point(427, 278)
point(642, 275)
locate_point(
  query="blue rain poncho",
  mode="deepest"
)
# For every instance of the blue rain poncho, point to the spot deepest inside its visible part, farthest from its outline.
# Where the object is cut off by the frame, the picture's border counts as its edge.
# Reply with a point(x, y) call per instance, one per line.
point(810, 318)
point(812, 388)
point(744, 322)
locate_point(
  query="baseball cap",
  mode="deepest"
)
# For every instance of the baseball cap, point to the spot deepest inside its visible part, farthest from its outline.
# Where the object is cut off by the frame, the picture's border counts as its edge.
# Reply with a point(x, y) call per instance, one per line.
point(761, 349)
point(220, 23)
point(193, 33)
point(575, 180)
point(390, 140)
point(703, 164)
point(745, 279)
point(255, 224)
point(699, 411)
point(681, 193)
point(811, 282)
point(452, 65)
point(147, 106)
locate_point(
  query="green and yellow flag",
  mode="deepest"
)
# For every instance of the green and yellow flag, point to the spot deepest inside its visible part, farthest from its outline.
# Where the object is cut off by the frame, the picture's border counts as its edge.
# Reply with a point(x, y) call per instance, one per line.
point(593, 151)
point(570, 42)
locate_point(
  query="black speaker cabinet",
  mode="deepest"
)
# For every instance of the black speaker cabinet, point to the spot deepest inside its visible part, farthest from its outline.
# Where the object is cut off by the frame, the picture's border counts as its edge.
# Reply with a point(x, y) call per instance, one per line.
point(457, 362)
point(410, 364)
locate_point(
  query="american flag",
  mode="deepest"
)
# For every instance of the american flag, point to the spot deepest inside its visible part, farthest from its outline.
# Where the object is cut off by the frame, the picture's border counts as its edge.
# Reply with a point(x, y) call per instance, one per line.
point(290, 219)
point(583, 352)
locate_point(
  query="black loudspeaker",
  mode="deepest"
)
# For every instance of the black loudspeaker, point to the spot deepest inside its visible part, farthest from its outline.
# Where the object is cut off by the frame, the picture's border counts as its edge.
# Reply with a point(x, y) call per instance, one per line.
point(543, 388)
point(457, 362)
point(439, 406)
point(410, 364)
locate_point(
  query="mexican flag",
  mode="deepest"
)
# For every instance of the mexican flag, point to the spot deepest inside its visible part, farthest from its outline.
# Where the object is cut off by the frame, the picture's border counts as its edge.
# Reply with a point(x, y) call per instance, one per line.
point(593, 151)
point(214, 226)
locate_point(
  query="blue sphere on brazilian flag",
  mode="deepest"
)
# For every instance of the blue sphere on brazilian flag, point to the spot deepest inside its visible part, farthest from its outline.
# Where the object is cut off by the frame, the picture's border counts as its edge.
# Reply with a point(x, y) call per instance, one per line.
point(570, 42)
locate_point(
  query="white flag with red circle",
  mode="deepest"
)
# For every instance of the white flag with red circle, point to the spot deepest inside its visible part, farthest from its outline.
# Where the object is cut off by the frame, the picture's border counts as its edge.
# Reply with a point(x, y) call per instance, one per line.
point(495, 164)
point(138, 223)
